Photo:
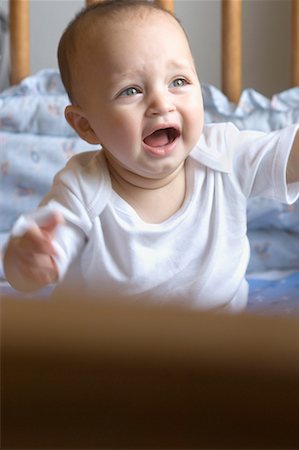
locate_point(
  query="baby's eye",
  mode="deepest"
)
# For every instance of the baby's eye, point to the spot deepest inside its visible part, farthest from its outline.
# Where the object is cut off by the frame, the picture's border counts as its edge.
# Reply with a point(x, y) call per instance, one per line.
point(179, 82)
point(130, 91)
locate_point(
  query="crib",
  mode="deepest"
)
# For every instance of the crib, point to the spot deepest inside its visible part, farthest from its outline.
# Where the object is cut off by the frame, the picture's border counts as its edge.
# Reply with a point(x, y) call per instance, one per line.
point(115, 376)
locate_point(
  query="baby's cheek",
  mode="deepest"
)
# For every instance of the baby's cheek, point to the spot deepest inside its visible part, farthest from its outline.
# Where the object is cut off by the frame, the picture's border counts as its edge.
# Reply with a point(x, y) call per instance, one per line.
point(195, 130)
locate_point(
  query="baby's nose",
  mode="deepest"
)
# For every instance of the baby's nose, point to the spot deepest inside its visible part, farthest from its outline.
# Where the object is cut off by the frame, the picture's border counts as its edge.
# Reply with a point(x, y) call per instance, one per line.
point(160, 104)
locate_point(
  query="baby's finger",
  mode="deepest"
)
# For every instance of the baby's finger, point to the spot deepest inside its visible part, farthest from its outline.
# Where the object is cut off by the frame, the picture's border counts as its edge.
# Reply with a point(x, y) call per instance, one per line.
point(35, 241)
point(50, 224)
point(39, 268)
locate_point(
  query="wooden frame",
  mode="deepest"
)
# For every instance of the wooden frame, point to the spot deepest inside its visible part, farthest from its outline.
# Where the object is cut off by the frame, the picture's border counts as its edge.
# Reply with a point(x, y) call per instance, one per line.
point(231, 43)
point(122, 376)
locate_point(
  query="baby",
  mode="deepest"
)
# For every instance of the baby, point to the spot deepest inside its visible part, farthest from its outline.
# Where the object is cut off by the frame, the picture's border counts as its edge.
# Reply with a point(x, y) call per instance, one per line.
point(159, 211)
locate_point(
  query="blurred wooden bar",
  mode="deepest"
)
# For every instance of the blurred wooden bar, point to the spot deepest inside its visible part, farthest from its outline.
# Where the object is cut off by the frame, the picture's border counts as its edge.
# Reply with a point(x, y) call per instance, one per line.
point(295, 44)
point(166, 4)
point(80, 374)
point(232, 49)
point(19, 40)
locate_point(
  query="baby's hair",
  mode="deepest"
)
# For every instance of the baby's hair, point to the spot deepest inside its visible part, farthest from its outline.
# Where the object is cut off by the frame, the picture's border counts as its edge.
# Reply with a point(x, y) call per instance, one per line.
point(105, 9)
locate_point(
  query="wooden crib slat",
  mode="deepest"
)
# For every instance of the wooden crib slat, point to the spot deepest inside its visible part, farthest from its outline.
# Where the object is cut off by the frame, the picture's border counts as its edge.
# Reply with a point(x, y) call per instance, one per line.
point(19, 40)
point(295, 44)
point(231, 48)
point(166, 4)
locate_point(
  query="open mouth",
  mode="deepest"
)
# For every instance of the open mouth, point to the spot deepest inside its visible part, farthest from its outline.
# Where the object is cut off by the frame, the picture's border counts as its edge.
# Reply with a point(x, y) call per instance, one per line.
point(162, 137)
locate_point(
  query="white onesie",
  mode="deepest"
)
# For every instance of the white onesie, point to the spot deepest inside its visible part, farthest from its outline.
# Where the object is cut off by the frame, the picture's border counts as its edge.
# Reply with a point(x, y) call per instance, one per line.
point(199, 256)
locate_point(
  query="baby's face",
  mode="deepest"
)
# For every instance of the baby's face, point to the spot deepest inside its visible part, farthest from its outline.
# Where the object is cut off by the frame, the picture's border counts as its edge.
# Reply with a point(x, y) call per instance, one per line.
point(141, 95)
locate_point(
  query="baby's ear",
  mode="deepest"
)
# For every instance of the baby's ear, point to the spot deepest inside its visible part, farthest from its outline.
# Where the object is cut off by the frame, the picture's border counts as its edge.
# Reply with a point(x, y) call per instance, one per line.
point(77, 120)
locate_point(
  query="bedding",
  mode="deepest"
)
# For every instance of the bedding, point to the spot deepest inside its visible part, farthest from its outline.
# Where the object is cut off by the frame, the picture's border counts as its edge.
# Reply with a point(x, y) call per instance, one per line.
point(36, 141)
point(275, 292)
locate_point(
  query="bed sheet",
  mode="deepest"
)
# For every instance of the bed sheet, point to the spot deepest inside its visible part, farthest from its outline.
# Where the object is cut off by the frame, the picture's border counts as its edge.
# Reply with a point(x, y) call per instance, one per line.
point(274, 292)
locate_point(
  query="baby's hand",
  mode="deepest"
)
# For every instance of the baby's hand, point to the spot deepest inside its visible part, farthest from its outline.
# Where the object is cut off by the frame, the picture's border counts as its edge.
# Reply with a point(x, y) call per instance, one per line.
point(29, 259)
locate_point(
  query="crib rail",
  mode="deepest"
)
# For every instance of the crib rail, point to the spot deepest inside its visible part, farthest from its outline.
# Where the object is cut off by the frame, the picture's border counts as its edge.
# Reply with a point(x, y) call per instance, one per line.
point(295, 44)
point(19, 40)
point(231, 54)
point(231, 43)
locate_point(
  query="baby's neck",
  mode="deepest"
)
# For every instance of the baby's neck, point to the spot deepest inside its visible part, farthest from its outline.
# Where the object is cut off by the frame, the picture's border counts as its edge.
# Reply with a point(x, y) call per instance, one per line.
point(153, 200)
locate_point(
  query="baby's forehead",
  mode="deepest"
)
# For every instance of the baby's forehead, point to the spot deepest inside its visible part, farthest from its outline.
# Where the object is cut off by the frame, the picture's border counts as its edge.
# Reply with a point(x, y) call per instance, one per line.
point(104, 25)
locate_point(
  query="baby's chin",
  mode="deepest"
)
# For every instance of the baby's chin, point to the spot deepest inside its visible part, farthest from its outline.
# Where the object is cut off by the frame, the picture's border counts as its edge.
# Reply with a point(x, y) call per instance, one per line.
point(145, 171)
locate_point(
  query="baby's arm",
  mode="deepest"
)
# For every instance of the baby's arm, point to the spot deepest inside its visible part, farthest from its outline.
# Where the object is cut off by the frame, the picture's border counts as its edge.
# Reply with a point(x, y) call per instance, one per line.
point(293, 163)
point(29, 259)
